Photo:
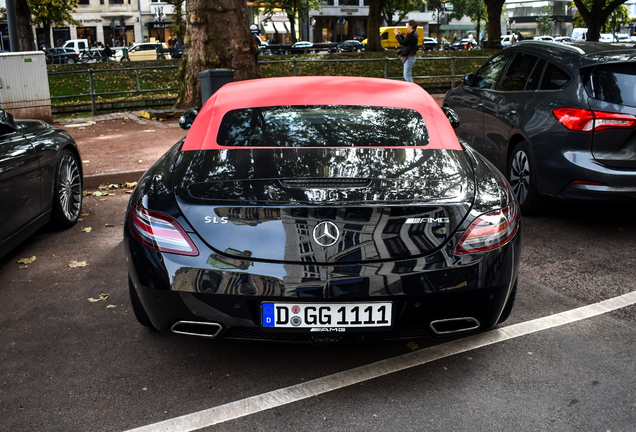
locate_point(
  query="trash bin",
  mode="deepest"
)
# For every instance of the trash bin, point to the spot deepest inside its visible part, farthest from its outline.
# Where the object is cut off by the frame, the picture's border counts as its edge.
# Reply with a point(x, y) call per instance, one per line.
point(212, 80)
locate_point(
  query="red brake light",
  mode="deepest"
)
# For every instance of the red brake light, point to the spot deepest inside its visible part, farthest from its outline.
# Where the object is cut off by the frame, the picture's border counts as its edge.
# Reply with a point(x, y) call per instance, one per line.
point(490, 230)
point(160, 232)
point(589, 121)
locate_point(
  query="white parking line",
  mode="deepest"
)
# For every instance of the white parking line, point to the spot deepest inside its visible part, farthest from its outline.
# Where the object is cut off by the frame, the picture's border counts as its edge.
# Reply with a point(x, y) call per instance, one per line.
point(284, 396)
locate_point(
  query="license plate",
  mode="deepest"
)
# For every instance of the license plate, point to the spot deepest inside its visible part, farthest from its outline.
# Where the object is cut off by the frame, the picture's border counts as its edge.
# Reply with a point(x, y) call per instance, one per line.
point(326, 315)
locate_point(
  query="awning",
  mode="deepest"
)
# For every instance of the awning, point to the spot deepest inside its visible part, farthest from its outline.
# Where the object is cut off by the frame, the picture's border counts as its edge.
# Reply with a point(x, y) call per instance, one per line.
point(271, 27)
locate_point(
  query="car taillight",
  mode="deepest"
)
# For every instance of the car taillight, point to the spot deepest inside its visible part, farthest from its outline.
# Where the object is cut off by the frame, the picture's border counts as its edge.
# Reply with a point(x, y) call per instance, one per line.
point(490, 230)
point(160, 232)
point(589, 121)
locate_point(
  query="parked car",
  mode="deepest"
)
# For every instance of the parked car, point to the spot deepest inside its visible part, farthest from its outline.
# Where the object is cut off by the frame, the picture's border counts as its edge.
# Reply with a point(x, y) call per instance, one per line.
point(321, 209)
point(558, 119)
point(41, 179)
point(61, 55)
point(544, 38)
point(506, 41)
point(350, 46)
point(301, 47)
point(429, 44)
point(607, 37)
point(144, 51)
point(563, 39)
point(463, 44)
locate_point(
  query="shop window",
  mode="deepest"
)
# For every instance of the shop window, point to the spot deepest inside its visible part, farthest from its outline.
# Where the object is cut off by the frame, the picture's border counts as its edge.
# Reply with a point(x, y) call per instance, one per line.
point(116, 2)
point(84, 2)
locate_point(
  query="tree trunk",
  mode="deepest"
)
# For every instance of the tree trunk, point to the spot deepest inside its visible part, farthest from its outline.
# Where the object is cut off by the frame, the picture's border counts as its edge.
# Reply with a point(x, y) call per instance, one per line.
point(23, 20)
point(291, 16)
point(217, 37)
point(596, 17)
point(373, 26)
point(493, 8)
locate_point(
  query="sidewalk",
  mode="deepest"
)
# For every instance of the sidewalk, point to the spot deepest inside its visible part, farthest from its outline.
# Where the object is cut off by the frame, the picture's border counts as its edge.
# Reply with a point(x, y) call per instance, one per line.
point(120, 147)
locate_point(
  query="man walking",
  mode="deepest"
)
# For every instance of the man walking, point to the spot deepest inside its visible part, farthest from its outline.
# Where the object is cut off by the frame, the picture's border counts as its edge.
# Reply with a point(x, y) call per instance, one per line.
point(409, 48)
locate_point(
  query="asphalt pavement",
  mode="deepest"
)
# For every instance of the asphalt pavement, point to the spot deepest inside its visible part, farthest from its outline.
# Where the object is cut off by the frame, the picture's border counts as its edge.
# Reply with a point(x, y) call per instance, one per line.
point(73, 357)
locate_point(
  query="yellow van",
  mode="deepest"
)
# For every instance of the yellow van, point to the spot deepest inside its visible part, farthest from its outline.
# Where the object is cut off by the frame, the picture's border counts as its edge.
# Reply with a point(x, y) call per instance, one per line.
point(388, 40)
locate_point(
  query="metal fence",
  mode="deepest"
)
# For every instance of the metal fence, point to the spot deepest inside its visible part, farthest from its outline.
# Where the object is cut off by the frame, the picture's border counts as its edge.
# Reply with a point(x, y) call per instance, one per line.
point(296, 62)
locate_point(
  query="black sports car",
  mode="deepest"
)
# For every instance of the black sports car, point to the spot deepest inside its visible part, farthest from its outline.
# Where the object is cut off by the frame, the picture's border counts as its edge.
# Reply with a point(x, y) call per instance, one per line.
point(322, 209)
point(40, 179)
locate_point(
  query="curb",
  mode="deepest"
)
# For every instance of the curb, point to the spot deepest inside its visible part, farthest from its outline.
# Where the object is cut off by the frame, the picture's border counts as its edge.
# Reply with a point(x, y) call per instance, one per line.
point(93, 181)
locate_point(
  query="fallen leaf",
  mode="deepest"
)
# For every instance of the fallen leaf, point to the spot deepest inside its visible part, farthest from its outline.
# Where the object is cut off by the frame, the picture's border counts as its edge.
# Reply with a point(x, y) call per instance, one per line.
point(130, 184)
point(140, 161)
point(413, 346)
point(23, 267)
point(129, 191)
point(97, 194)
point(84, 214)
point(26, 260)
point(113, 186)
point(101, 297)
point(111, 306)
point(86, 161)
point(74, 264)
point(87, 229)
point(82, 128)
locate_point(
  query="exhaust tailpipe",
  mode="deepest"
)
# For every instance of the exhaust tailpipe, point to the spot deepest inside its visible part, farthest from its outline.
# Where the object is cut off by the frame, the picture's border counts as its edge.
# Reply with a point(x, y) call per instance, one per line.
point(196, 328)
point(454, 325)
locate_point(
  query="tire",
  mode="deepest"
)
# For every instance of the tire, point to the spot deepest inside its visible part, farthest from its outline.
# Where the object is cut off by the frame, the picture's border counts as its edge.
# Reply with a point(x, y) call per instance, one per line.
point(70, 61)
point(49, 59)
point(124, 59)
point(137, 307)
point(505, 314)
point(67, 190)
point(522, 174)
point(161, 57)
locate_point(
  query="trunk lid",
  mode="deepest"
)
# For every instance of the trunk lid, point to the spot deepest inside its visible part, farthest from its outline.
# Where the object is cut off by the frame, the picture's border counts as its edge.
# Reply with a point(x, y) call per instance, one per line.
point(323, 205)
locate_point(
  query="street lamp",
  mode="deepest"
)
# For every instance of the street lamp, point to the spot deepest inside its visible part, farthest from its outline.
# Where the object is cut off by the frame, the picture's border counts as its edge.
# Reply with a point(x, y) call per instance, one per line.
point(341, 22)
point(159, 15)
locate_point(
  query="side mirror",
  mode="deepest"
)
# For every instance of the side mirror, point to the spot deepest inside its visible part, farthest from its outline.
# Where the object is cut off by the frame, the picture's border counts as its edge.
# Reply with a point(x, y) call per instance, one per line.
point(452, 117)
point(186, 120)
point(469, 80)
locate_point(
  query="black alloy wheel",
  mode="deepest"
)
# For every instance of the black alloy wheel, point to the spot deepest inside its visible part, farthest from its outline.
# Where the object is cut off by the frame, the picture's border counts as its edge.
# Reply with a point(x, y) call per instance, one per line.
point(67, 194)
point(522, 176)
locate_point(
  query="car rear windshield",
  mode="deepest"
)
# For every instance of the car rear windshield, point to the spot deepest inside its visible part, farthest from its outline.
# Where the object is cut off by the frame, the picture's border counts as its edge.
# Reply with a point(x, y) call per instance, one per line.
point(613, 83)
point(322, 126)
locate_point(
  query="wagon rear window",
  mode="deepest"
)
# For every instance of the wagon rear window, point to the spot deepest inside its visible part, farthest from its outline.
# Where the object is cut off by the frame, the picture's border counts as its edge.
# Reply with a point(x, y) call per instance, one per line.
point(322, 126)
point(615, 83)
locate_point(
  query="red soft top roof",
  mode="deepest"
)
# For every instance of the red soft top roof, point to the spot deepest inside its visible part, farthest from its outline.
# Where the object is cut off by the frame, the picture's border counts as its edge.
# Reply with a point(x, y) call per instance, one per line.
point(327, 90)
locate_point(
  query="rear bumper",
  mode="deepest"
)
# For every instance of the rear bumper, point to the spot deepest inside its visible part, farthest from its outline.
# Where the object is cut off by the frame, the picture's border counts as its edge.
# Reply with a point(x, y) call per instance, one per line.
point(174, 288)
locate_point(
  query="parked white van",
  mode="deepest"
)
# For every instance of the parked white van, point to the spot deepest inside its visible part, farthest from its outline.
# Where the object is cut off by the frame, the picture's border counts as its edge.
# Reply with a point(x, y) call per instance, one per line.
point(78, 45)
point(579, 34)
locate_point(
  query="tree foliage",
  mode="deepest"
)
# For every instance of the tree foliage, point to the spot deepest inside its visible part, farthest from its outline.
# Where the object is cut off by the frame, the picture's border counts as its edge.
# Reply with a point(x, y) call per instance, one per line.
point(401, 8)
point(475, 9)
point(595, 14)
point(293, 9)
point(545, 22)
point(47, 13)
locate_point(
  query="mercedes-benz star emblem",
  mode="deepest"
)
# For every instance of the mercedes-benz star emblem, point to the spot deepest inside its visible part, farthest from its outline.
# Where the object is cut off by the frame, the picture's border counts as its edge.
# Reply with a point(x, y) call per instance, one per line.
point(326, 233)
